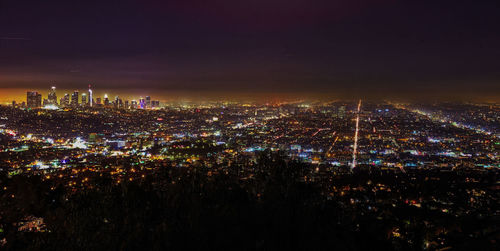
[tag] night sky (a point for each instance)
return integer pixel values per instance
(383, 47)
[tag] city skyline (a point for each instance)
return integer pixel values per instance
(7, 95)
(35, 99)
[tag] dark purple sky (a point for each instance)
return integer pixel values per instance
(322, 46)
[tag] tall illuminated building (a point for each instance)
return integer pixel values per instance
(61, 102)
(142, 103)
(133, 104)
(74, 99)
(64, 100)
(84, 99)
(106, 100)
(33, 99)
(52, 98)
(91, 99)
(148, 102)
(118, 102)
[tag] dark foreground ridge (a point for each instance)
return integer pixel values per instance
(280, 205)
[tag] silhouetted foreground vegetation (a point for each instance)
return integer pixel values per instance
(273, 209)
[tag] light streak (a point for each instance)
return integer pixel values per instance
(444, 120)
(355, 150)
(331, 146)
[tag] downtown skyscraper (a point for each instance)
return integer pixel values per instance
(33, 99)
(52, 98)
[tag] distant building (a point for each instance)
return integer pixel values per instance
(33, 99)
(64, 101)
(148, 102)
(52, 98)
(84, 99)
(142, 103)
(106, 100)
(341, 111)
(115, 144)
(155, 104)
(133, 104)
(74, 99)
(118, 103)
(92, 137)
(91, 98)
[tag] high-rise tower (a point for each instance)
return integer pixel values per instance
(148, 102)
(52, 98)
(106, 100)
(142, 103)
(64, 102)
(74, 99)
(91, 100)
(33, 99)
(84, 99)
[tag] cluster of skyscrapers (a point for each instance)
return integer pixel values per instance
(34, 100)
